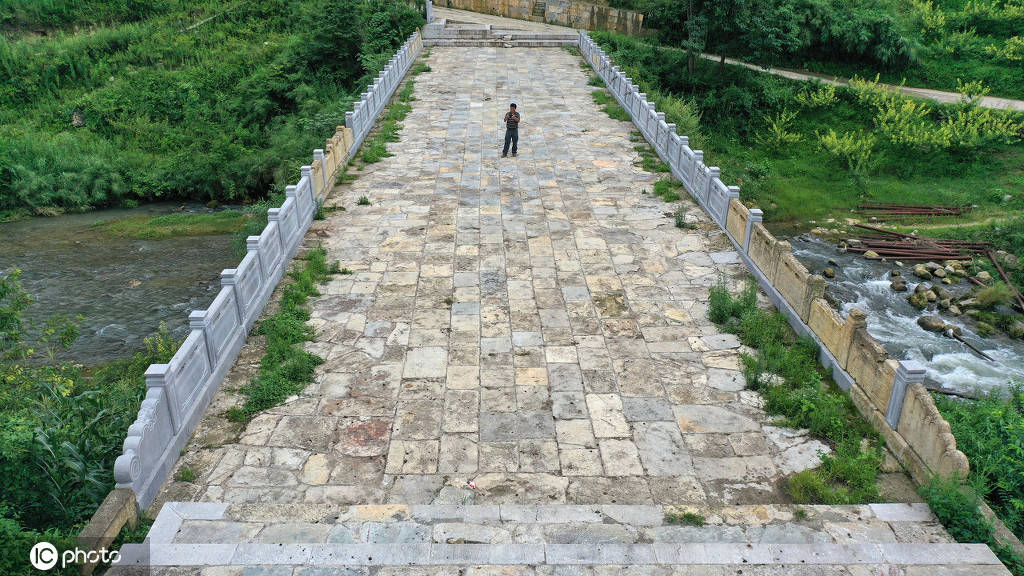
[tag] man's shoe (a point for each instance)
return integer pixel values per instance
(514, 154)
(505, 155)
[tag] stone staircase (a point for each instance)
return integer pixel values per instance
(464, 34)
(886, 539)
(539, 9)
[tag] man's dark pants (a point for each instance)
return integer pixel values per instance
(511, 135)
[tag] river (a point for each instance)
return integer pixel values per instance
(864, 284)
(124, 288)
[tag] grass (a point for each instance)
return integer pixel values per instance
(391, 122)
(363, 201)
(957, 507)
(990, 431)
(667, 189)
(806, 398)
(117, 103)
(185, 474)
(175, 225)
(610, 106)
(286, 368)
(684, 519)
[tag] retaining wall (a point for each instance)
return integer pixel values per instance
(178, 392)
(887, 392)
(580, 15)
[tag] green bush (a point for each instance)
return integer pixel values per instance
(957, 508)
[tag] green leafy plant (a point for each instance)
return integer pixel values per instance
(363, 201)
(821, 97)
(854, 150)
(776, 133)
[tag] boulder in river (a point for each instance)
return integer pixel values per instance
(921, 272)
(918, 300)
(872, 255)
(939, 273)
(931, 323)
(931, 266)
(828, 273)
(898, 285)
(894, 272)
(984, 277)
(931, 295)
(955, 310)
(944, 303)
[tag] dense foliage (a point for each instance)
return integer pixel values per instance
(957, 507)
(990, 431)
(786, 371)
(930, 43)
(201, 100)
(767, 32)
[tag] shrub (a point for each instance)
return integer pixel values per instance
(852, 149)
(821, 97)
(994, 295)
(67, 425)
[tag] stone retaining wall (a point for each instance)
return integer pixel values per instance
(580, 15)
(888, 392)
(178, 392)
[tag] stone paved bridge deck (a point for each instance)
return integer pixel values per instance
(519, 339)
(535, 325)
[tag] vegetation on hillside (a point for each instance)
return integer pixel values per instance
(122, 102)
(930, 43)
(807, 154)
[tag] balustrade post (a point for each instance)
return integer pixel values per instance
(907, 372)
(159, 376)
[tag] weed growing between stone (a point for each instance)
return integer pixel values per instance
(667, 189)
(363, 201)
(391, 122)
(957, 508)
(610, 106)
(786, 372)
(684, 519)
(286, 368)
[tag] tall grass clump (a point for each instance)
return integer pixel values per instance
(785, 370)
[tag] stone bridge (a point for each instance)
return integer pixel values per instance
(520, 377)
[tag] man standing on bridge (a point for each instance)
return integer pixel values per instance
(511, 130)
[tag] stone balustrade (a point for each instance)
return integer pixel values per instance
(888, 392)
(178, 392)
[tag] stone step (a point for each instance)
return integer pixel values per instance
(190, 534)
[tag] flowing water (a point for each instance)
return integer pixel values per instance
(864, 284)
(124, 288)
